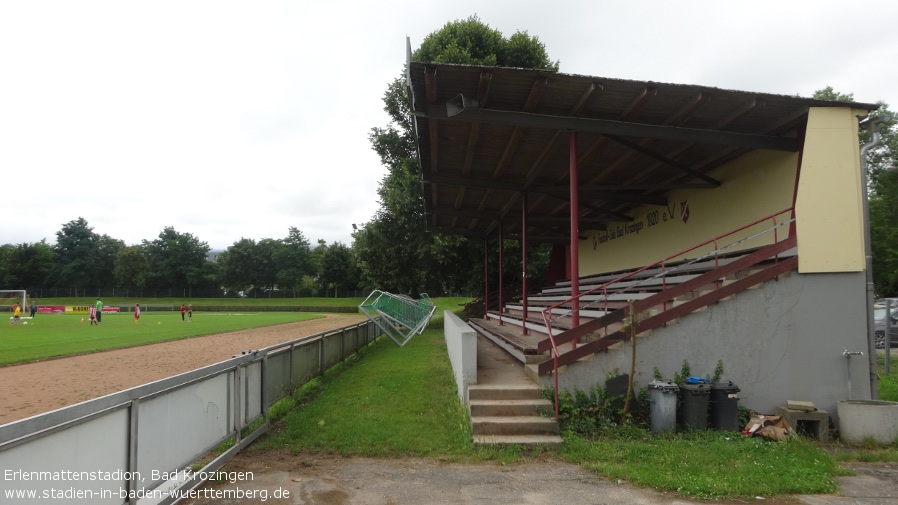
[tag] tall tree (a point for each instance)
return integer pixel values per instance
(107, 252)
(75, 256)
(394, 250)
(266, 266)
(132, 270)
(293, 260)
(178, 260)
(337, 268)
(26, 266)
(238, 266)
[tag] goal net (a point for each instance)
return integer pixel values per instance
(398, 316)
(10, 297)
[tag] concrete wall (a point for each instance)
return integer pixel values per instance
(781, 341)
(461, 342)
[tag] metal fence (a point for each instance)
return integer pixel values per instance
(185, 293)
(139, 444)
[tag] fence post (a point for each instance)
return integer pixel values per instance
(133, 430)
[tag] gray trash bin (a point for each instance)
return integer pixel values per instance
(694, 405)
(725, 406)
(663, 405)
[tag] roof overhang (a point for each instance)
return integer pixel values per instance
(487, 136)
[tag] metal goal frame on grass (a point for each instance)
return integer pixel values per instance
(10, 297)
(400, 317)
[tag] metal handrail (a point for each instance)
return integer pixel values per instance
(546, 312)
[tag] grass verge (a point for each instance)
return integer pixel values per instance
(402, 401)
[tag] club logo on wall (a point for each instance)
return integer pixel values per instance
(652, 218)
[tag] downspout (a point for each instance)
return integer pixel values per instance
(873, 123)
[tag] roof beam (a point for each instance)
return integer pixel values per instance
(465, 109)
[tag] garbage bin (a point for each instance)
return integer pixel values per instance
(663, 405)
(724, 400)
(694, 395)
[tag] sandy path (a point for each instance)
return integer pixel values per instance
(35, 388)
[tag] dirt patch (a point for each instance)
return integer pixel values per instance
(36, 388)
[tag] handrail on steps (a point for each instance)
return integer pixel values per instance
(546, 312)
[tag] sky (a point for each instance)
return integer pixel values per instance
(231, 120)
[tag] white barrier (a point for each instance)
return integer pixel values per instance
(461, 342)
(125, 446)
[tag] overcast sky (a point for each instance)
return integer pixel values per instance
(232, 120)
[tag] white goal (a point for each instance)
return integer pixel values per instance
(10, 297)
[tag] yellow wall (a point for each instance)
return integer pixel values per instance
(753, 186)
(829, 209)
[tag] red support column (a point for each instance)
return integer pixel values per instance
(486, 277)
(524, 329)
(575, 233)
(501, 285)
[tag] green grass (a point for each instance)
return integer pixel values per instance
(402, 401)
(707, 464)
(200, 302)
(392, 401)
(55, 335)
(888, 384)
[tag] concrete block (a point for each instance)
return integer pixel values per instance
(814, 424)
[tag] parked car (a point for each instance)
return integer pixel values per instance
(879, 315)
(891, 302)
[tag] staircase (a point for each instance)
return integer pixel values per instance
(544, 338)
(508, 414)
(659, 294)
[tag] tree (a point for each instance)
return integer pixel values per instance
(107, 252)
(76, 256)
(394, 250)
(238, 266)
(266, 266)
(26, 266)
(177, 260)
(337, 268)
(132, 270)
(293, 261)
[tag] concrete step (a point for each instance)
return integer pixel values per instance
(504, 392)
(513, 425)
(551, 441)
(526, 407)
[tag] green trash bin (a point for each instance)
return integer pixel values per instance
(694, 396)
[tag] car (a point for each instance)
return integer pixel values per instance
(891, 302)
(879, 315)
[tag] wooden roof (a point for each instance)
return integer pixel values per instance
(488, 135)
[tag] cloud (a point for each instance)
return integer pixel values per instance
(234, 119)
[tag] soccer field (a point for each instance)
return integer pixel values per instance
(54, 335)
